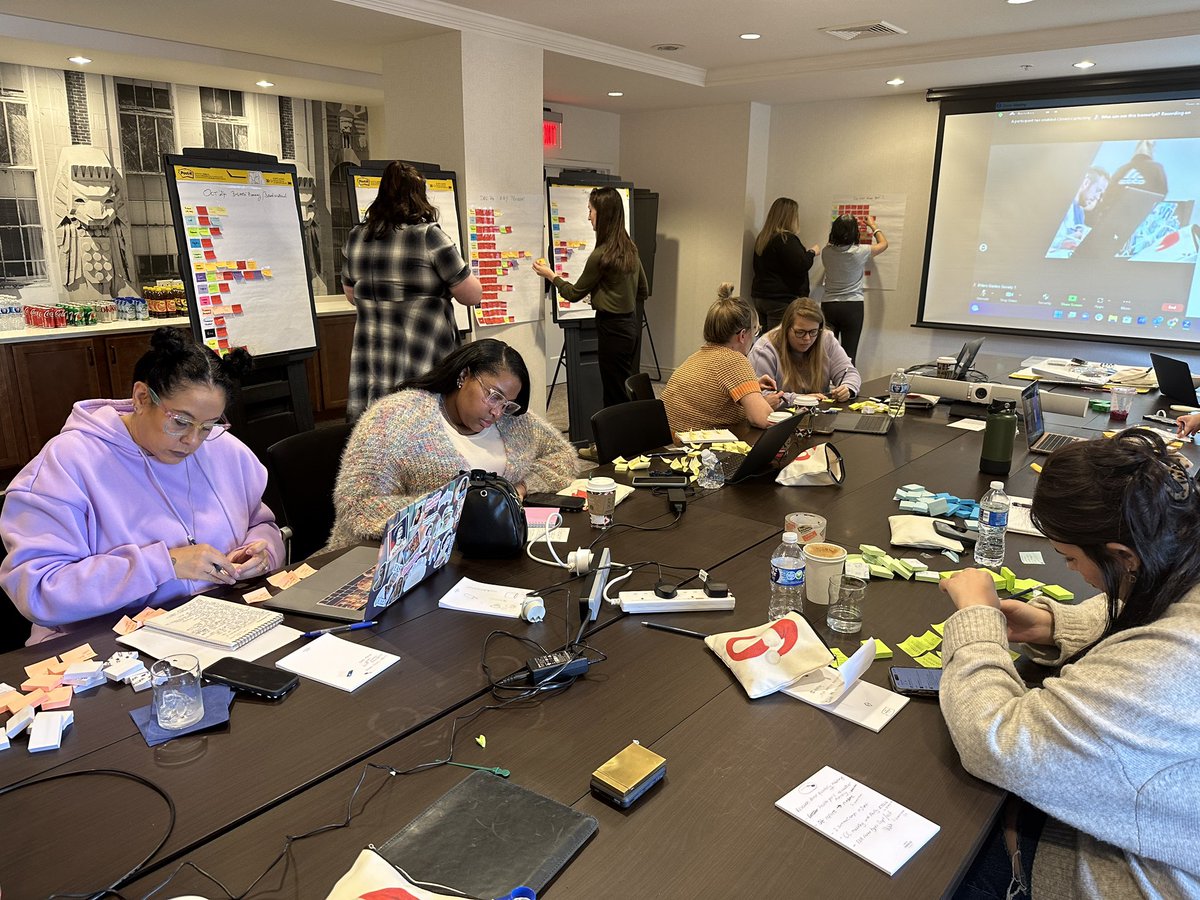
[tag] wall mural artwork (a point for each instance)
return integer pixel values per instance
(91, 225)
(306, 188)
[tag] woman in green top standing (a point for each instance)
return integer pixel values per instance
(614, 277)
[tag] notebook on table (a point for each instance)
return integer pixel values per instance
(219, 623)
(486, 836)
(1038, 438)
(361, 583)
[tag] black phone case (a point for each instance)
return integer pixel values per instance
(274, 691)
(559, 501)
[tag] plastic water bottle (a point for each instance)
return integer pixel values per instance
(711, 476)
(897, 393)
(787, 578)
(993, 522)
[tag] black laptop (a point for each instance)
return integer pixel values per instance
(1174, 379)
(765, 456)
(855, 423)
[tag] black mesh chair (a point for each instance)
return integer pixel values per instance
(638, 387)
(303, 469)
(629, 429)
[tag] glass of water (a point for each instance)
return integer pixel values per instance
(178, 701)
(846, 596)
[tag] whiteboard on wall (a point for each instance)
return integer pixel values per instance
(441, 189)
(241, 249)
(572, 238)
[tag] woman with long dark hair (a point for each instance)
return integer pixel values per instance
(614, 278)
(470, 411)
(781, 262)
(139, 502)
(401, 271)
(845, 261)
(1108, 748)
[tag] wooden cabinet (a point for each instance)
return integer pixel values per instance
(122, 352)
(51, 376)
(333, 362)
(12, 438)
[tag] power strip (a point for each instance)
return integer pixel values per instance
(686, 600)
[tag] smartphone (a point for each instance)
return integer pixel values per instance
(557, 501)
(262, 681)
(915, 681)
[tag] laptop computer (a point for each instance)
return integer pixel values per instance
(363, 582)
(856, 423)
(1174, 379)
(966, 358)
(764, 457)
(1036, 436)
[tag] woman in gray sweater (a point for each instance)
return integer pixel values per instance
(1109, 746)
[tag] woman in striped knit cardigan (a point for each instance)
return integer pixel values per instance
(469, 412)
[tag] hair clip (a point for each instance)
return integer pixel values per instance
(1179, 487)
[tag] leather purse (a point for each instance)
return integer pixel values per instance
(493, 523)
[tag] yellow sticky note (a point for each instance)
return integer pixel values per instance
(916, 646)
(481, 740)
(882, 650)
(938, 627)
(1036, 468)
(930, 660)
(838, 657)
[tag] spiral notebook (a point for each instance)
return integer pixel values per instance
(216, 622)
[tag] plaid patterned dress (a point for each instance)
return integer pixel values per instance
(402, 293)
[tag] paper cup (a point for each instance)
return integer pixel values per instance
(822, 562)
(601, 500)
(809, 527)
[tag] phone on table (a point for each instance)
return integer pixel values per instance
(915, 681)
(556, 501)
(664, 480)
(262, 681)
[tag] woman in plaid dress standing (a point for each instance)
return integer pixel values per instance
(400, 273)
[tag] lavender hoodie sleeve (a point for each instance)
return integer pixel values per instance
(838, 367)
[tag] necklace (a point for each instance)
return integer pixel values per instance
(189, 533)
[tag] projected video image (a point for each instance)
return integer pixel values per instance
(1135, 201)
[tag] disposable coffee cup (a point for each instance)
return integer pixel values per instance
(945, 366)
(808, 526)
(601, 500)
(822, 562)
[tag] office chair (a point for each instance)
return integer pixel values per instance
(304, 468)
(638, 387)
(629, 429)
(14, 627)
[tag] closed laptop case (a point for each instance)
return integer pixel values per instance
(486, 836)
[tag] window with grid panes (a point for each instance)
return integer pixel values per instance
(147, 125)
(223, 121)
(22, 254)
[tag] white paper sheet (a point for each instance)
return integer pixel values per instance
(489, 599)
(842, 691)
(342, 664)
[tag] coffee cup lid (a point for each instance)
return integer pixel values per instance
(601, 483)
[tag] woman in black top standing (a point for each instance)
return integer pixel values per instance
(781, 263)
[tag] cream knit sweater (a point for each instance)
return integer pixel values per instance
(399, 450)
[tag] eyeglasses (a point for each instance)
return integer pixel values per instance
(805, 333)
(177, 424)
(496, 400)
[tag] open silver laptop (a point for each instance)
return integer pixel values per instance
(1039, 439)
(363, 581)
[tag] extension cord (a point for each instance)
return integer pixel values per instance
(686, 600)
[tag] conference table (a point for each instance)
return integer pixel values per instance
(709, 829)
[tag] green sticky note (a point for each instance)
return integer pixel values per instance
(916, 646)
(939, 627)
(838, 657)
(882, 650)
(1054, 592)
(930, 660)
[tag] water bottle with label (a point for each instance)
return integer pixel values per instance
(787, 578)
(897, 393)
(993, 523)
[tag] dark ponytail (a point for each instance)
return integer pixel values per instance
(176, 361)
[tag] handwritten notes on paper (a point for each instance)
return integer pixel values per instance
(489, 599)
(865, 822)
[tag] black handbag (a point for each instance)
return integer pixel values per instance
(493, 523)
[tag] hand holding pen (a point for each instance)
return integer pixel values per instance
(202, 562)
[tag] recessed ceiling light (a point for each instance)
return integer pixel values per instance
(750, 36)
(1018, 2)
(1084, 64)
(669, 47)
(895, 82)
(79, 60)
(265, 83)
(616, 93)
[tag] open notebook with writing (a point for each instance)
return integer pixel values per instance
(216, 622)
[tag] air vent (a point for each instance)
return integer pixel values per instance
(868, 29)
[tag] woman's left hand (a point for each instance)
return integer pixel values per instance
(841, 393)
(971, 587)
(767, 383)
(250, 560)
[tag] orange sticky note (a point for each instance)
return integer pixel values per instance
(126, 625)
(82, 653)
(40, 668)
(59, 698)
(44, 682)
(11, 701)
(147, 613)
(58, 668)
(34, 698)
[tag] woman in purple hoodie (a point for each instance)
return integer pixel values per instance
(139, 502)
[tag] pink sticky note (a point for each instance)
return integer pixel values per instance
(11, 701)
(59, 698)
(538, 515)
(44, 682)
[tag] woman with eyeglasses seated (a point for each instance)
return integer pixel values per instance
(1103, 754)
(803, 357)
(139, 502)
(468, 412)
(716, 387)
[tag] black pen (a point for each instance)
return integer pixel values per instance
(339, 629)
(674, 630)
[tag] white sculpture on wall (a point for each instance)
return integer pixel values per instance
(91, 224)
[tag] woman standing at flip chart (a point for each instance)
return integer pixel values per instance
(401, 271)
(781, 263)
(614, 277)
(845, 261)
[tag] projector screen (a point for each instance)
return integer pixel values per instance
(1073, 217)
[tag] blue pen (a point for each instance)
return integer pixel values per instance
(339, 629)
